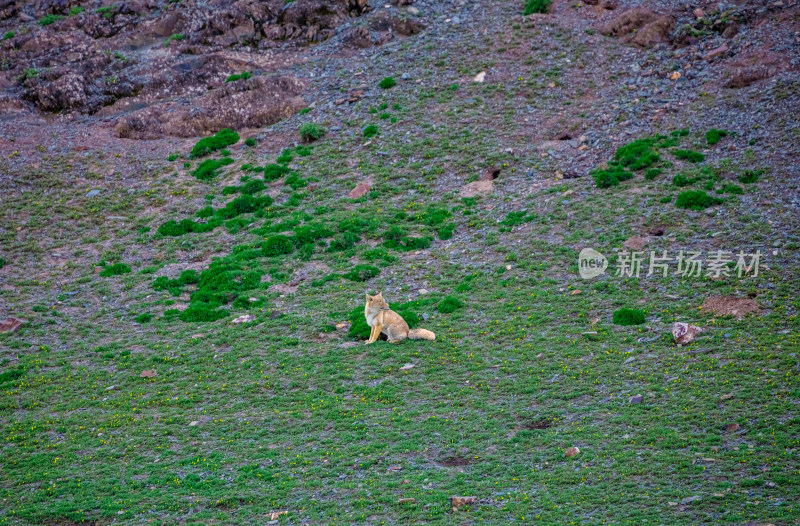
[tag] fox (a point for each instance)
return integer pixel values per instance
(382, 319)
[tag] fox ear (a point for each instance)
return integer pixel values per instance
(379, 295)
(368, 297)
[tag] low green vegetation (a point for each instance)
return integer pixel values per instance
(209, 168)
(713, 136)
(115, 270)
(696, 200)
(310, 132)
(49, 19)
(629, 317)
(536, 6)
(238, 76)
(220, 140)
(387, 83)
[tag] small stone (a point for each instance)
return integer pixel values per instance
(698, 13)
(244, 318)
(480, 77)
(726, 396)
(732, 428)
(422, 291)
(717, 52)
(413, 10)
(635, 243)
(675, 75)
(576, 292)
(194, 423)
(406, 501)
(571, 452)
(148, 373)
(407, 366)
(636, 399)
(689, 500)
(93, 193)
(508, 267)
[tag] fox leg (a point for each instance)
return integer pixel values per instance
(396, 337)
(376, 332)
(371, 333)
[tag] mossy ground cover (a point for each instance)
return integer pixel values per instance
(290, 411)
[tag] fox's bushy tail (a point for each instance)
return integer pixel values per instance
(421, 334)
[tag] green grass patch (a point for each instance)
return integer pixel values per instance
(220, 140)
(695, 200)
(629, 317)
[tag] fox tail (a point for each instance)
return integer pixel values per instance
(421, 334)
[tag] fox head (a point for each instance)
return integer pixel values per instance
(377, 302)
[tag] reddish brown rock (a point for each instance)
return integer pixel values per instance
(684, 333)
(10, 325)
(458, 502)
(361, 189)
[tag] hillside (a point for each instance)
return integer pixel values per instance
(196, 196)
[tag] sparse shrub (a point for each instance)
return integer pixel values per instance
(250, 141)
(652, 173)
(115, 270)
(238, 76)
(144, 318)
(695, 200)
(277, 245)
(665, 199)
(629, 317)
(74, 11)
(207, 170)
(517, 218)
(223, 138)
(637, 155)
(243, 205)
(344, 241)
(311, 232)
(750, 176)
(285, 157)
(15, 373)
(184, 226)
(8, 35)
(387, 82)
(713, 136)
(683, 132)
(611, 176)
(2, 262)
(732, 189)
(682, 180)
(201, 313)
(449, 304)
(273, 172)
(310, 132)
(362, 272)
(370, 131)
(377, 253)
(446, 232)
(295, 181)
(228, 190)
(536, 6)
(303, 151)
(46, 20)
(253, 187)
(175, 36)
(689, 155)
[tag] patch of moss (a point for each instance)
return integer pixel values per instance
(311, 232)
(387, 82)
(250, 141)
(185, 226)
(205, 146)
(518, 218)
(144, 318)
(629, 317)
